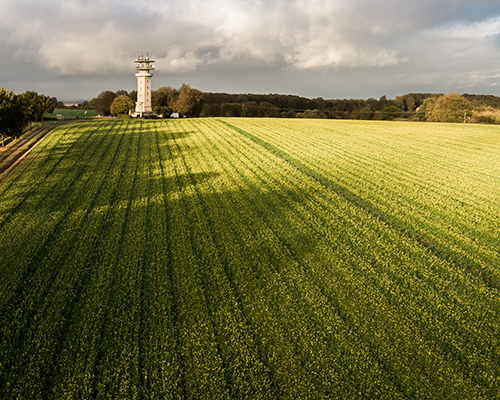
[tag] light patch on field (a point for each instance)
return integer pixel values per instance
(302, 258)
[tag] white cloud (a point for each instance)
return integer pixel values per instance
(459, 54)
(77, 54)
(475, 31)
(425, 41)
(92, 37)
(179, 61)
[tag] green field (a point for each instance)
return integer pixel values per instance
(72, 113)
(252, 258)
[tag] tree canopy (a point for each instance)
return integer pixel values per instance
(18, 110)
(190, 101)
(447, 108)
(164, 111)
(121, 105)
(165, 96)
(103, 102)
(37, 105)
(12, 114)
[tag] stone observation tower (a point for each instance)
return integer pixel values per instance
(143, 65)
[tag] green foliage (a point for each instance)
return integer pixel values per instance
(412, 101)
(163, 110)
(231, 110)
(289, 106)
(17, 111)
(481, 100)
(486, 119)
(288, 114)
(251, 259)
(447, 108)
(260, 105)
(121, 105)
(390, 113)
(426, 107)
(365, 113)
(486, 115)
(189, 102)
(312, 114)
(272, 112)
(35, 105)
(250, 109)
(103, 102)
(13, 116)
(164, 97)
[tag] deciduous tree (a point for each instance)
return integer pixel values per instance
(121, 105)
(190, 101)
(164, 97)
(36, 105)
(390, 113)
(12, 113)
(447, 108)
(103, 102)
(163, 110)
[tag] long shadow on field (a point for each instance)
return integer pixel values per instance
(269, 243)
(182, 182)
(178, 134)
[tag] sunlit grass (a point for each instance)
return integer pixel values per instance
(252, 258)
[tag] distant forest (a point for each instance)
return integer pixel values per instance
(290, 106)
(412, 106)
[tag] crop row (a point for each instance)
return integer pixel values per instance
(364, 244)
(244, 259)
(437, 188)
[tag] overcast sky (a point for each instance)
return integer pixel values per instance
(74, 49)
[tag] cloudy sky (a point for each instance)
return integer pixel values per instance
(74, 49)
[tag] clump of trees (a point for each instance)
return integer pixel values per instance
(189, 102)
(186, 101)
(102, 104)
(108, 102)
(311, 114)
(17, 111)
(486, 115)
(447, 108)
(121, 105)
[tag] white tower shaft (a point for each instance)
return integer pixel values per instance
(143, 105)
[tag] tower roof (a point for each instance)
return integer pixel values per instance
(143, 63)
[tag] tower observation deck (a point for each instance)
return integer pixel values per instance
(143, 66)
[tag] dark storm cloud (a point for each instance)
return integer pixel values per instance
(304, 46)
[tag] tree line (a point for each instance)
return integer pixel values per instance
(191, 102)
(17, 111)
(411, 106)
